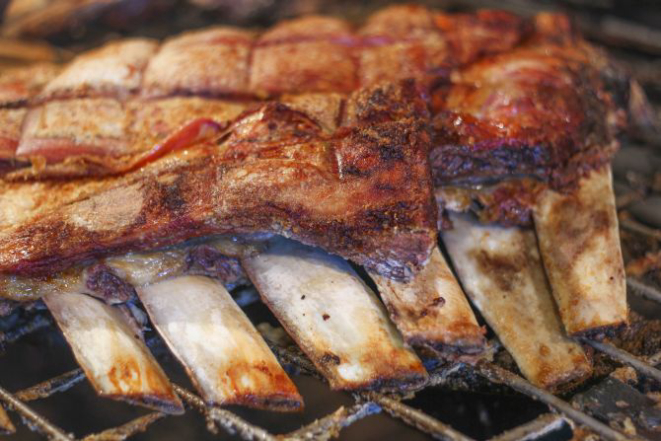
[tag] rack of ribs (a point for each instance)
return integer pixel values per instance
(180, 167)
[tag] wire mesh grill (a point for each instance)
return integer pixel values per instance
(365, 403)
(561, 413)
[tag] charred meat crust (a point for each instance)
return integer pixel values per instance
(363, 192)
(369, 174)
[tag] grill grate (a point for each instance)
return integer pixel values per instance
(608, 29)
(366, 404)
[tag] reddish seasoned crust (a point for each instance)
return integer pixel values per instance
(545, 113)
(212, 62)
(526, 112)
(316, 52)
(309, 55)
(19, 85)
(363, 192)
(412, 41)
(548, 109)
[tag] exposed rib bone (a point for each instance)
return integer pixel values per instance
(432, 310)
(225, 356)
(502, 273)
(334, 317)
(115, 360)
(580, 246)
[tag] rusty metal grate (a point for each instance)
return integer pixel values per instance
(365, 404)
(561, 412)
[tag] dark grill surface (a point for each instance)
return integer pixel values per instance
(48, 396)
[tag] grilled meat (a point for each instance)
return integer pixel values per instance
(274, 170)
(112, 110)
(129, 83)
(309, 131)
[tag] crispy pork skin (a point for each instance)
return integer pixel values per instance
(309, 55)
(363, 192)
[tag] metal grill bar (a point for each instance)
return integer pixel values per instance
(497, 374)
(649, 292)
(230, 422)
(126, 430)
(327, 427)
(418, 419)
(49, 387)
(626, 358)
(37, 421)
(535, 429)
(36, 323)
(636, 227)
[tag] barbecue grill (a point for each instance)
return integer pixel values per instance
(40, 383)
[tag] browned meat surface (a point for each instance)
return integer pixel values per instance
(333, 161)
(363, 191)
(137, 88)
(526, 112)
(543, 114)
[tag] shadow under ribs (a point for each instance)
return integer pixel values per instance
(502, 273)
(334, 318)
(115, 360)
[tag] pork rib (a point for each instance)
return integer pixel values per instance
(362, 192)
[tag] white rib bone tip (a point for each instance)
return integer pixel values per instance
(115, 360)
(334, 317)
(580, 245)
(432, 310)
(225, 356)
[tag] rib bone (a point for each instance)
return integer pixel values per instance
(224, 355)
(502, 273)
(115, 360)
(334, 317)
(432, 310)
(580, 246)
